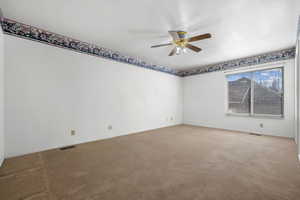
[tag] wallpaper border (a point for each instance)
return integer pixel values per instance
(29, 32)
(274, 56)
(25, 31)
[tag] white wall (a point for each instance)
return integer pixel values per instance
(1, 96)
(297, 86)
(297, 60)
(50, 91)
(204, 105)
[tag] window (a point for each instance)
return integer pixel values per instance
(256, 93)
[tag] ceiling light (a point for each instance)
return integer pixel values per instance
(178, 50)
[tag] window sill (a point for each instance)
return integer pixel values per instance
(255, 116)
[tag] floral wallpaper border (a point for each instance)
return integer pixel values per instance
(25, 31)
(274, 56)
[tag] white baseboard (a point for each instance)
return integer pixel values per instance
(234, 129)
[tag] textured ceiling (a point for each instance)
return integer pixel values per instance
(239, 27)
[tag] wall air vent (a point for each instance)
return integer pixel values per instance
(67, 147)
(256, 134)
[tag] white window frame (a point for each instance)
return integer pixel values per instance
(252, 114)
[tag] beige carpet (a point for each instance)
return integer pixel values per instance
(179, 163)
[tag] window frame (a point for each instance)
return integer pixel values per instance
(251, 113)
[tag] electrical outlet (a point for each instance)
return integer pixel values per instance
(73, 132)
(261, 125)
(109, 127)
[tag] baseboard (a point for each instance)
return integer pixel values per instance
(234, 129)
(83, 141)
(221, 128)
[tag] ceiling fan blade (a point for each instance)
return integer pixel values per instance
(172, 52)
(193, 48)
(199, 37)
(161, 45)
(174, 35)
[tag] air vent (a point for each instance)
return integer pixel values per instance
(68, 147)
(256, 134)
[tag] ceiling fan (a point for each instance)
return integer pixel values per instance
(181, 42)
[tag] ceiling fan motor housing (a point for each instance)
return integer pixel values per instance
(182, 39)
(181, 34)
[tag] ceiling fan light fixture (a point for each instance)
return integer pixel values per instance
(178, 50)
(182, 43)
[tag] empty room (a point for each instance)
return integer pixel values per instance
(150, 100)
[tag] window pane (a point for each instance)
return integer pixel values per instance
(239, 91)
(268, 92)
